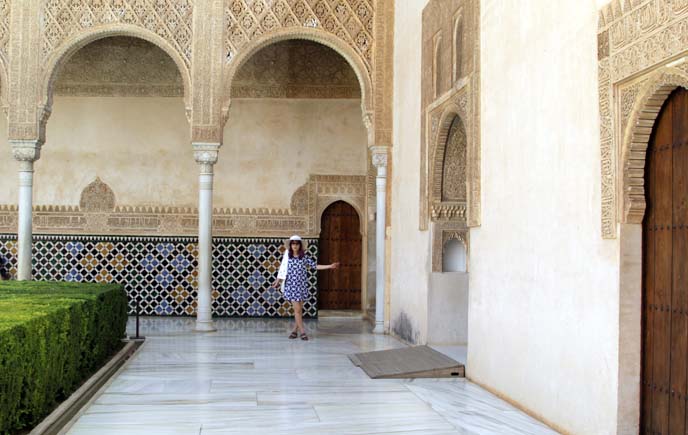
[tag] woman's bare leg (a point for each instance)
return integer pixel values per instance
(298, 316)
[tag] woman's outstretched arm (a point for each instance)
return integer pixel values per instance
(327, 266)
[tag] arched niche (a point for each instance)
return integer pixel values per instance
(454, 257)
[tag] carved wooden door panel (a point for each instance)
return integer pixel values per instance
(664, 386)
(340, 241)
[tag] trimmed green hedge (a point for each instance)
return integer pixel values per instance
(53, 336)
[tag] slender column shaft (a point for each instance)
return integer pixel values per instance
(381, 183)
(25, 220)
(205, 155)
(204, 319)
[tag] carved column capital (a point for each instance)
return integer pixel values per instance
(380, 156)
(26, 152)
(206, 155)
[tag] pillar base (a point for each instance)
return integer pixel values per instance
(379, 328)
(205, 326)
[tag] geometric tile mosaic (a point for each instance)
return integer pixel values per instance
(161, 272)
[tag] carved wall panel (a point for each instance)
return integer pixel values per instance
(454, 163)
(447, 174)
(349, 20)
(98, 214)
(120, 66)
(450, 91)
(296, 69)
(97, 197)
(640, 44)
(169, 19)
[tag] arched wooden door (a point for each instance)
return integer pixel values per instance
(664, 378)
(340, 241)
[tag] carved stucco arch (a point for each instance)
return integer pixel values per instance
(322, 206)
(637, 136)
(451, 112)
(309, 34)
(71, 45)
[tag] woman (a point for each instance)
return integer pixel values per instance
(4, 268)
(293, 272)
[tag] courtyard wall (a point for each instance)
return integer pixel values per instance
(141, 148)
(543, 311)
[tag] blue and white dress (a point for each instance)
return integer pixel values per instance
(296, 284)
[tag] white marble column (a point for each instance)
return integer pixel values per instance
(380, 162)
(206, 156)
(26, 153)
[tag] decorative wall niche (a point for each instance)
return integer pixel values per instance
(442, 234)
(450, 116)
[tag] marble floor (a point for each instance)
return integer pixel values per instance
(248, 378)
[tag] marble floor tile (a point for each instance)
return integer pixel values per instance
(248, 378)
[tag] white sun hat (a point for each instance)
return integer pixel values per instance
(304, 244)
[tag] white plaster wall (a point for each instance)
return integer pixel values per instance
(448, 308)
(141, 148)
(410, 258)
(543, 313)
(271, 146)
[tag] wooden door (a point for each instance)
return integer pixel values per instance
(340, 241)
(664, 387)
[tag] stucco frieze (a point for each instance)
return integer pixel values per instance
(98, 213)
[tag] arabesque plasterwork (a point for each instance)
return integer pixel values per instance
(98, 213)
(169, 19)
(640, 45)
(350, 21)
(94, 71)
(458, 97)
(207, 51)
(296, 69)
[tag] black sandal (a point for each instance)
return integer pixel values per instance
(293, 335)
(304, 337)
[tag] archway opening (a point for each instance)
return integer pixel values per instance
(340, 241)
(295, 114)
(119, 124)
(664, 348)
(118, 114)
